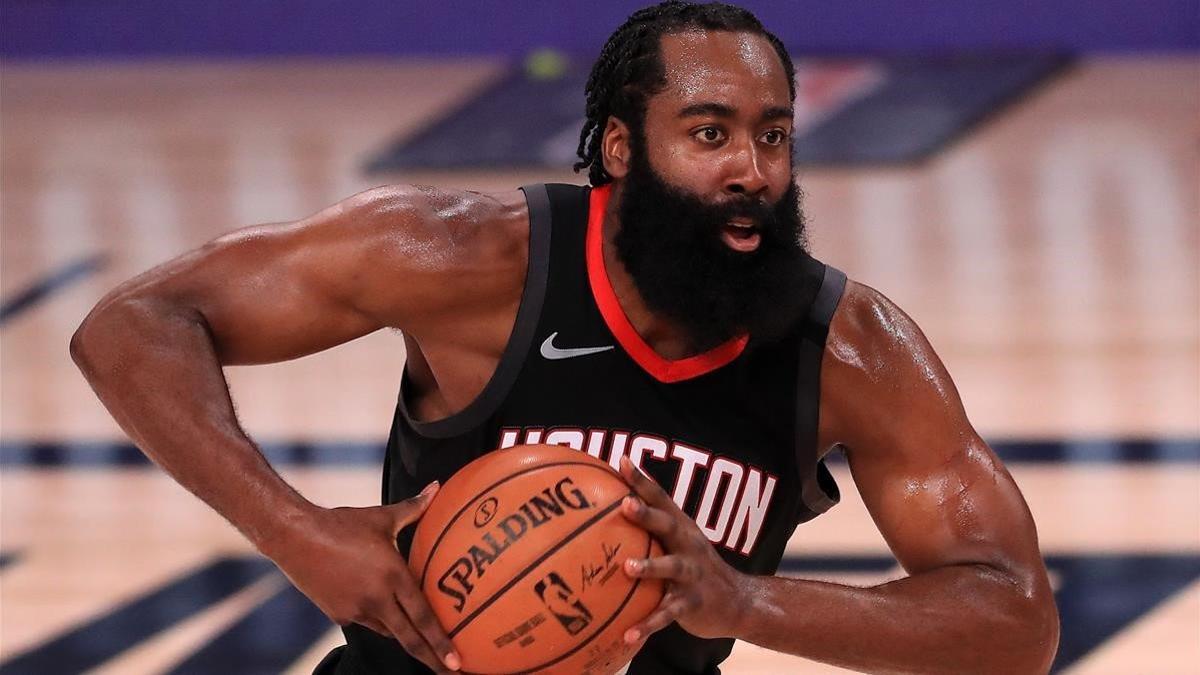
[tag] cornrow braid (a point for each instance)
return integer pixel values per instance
(629, 69)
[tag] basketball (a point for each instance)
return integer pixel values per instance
(520, 556)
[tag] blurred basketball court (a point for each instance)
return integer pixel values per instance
(1050, 250)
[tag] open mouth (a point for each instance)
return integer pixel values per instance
(741, 235)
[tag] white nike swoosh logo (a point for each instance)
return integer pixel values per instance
(553, 353)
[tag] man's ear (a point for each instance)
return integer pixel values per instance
(615, 148)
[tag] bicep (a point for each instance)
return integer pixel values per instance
(275, 292)
(262, 300)
(953, 509)
(937, 492)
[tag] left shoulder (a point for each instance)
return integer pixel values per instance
(868, 329)
(879, 366)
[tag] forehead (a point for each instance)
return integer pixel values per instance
(726, 67)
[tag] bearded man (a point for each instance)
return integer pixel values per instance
(668, 319)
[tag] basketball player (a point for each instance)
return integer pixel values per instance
(667, 318)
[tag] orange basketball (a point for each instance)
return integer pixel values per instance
(520, 555)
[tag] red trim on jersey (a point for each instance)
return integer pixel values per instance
(663, 370)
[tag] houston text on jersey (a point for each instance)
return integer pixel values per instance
(735, 498)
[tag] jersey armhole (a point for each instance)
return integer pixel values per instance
(519, 340)
(818, 489)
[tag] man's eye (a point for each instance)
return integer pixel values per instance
(709, 134)
(774, 137)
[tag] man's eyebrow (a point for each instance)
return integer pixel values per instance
(723, 110)
(775, 112)
(707, 109)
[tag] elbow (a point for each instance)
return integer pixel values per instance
(90, 343)
(83, 342)
(1024, 623)
(124, 325)
(78, 353)
(1041, 615)
(1030, 617)
(102, 333)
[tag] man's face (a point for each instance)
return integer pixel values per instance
(711, 230)
(721, 128)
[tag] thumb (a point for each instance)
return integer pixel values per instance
(410, 510)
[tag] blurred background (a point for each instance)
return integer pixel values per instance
(1022, 177)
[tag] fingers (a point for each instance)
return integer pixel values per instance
(410, 510)
(669, 610)
(655, 520)
(670, 527)
(674, 567)
(401, 628)
(416, 607)
(644, 487)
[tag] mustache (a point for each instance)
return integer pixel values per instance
(759, 210)
(754, 209)
(773, 220)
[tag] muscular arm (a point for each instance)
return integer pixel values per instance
(153, 348)
(977, 599)
(447, 268)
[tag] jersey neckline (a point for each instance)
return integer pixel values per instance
(660, 368)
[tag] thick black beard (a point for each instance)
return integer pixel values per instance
(670, 243)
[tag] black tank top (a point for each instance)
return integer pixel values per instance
(730, 434)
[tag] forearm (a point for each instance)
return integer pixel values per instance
(155, 369)
(959, 619)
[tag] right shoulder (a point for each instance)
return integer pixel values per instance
(450, 250)
(452, 223)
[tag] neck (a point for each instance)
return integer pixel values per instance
(664, 336)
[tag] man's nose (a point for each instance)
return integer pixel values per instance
(747, 176)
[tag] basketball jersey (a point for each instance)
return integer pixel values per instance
(729, 434)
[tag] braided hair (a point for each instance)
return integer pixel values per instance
(630, 70)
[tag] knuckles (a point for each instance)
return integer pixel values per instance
(423, 620)
(393, 578)
(373, 601)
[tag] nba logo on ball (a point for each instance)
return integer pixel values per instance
(520, 556)
(561, 601)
